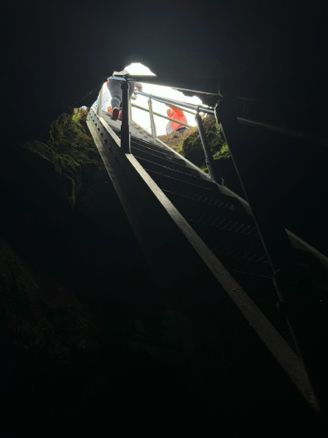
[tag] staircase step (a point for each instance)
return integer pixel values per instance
(143, 147)
(180, 175)
(168, 162)
(215, 208)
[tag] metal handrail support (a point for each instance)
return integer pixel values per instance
(130, 110)
(304, 315)
(207, 150)
(161, 115)
(163, 100)
(125, 128)
(151, 115)
(178, 103)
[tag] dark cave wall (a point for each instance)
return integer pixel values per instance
(54, 55)
(65, 237)
(70, 272)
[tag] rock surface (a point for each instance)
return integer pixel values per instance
(67, 303)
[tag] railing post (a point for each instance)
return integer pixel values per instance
(151, 115)
(130, 110)
(207, 150)
(304, 313)
(125, 127)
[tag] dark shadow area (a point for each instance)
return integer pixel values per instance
(76, 291)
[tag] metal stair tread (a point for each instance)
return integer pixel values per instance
(151, 166)
(161, 153)
(160, 161)
(222, 206)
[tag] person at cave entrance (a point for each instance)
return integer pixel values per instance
(177, 114)
(115, 89)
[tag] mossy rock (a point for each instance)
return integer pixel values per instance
(189, 144)
(192, 148)
(175, 139)
(70, 149)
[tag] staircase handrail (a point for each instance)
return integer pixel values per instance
(305, 136)
(174, 102)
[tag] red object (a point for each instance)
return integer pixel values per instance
(115, 113)
(177, 114)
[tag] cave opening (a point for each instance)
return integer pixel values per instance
(142, 117)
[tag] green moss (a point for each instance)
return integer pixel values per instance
(223, 152)
(175, 139)
(192, 147)
(69, 148)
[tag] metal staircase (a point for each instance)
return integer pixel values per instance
(199, 238)
(221, 218)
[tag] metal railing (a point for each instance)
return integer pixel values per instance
(212, 86)
(192, 109)
(153, 113)
(187, 107)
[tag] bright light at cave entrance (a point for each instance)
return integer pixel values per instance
(142, 117)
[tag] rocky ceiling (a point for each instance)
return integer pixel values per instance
(55, 53)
